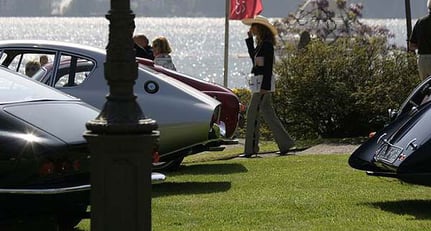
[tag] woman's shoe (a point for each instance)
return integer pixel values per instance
(283, 153)
(244, 155)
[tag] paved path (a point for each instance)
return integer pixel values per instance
(330, 149)
(317, 149)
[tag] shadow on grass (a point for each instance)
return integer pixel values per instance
(420, 209)
(33, 224)
(204, 169)
(183, 188)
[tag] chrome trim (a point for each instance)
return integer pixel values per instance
(222, 127)
(382, 174)
(381, 137)
(385, 147)
(47, 191)
(155, 178)
(412, 144)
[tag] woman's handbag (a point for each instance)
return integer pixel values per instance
(255, 83)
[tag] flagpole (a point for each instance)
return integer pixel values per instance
(408, 22)
(226, 44)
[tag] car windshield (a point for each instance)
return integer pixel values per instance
(18, 88)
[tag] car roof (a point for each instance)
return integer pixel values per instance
(56, 45)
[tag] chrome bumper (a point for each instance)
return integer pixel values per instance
(155, 178)
(79, 188)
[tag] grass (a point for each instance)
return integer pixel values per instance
(302, 192)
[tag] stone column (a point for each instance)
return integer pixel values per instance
(121, 139)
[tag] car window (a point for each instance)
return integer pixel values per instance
(26, 62)
(19, 62)
(40, 64)
(2, 56)
(72, 71)
(18, 88)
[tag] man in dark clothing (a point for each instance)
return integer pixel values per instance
(142, 47)
(420, 40)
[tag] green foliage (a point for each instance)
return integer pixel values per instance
(342, 89)
(341, 78)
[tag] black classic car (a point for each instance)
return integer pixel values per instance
(402, 149)
(44, 158)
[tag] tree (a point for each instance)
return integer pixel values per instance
(328, 21)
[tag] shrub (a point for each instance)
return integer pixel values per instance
(341, 89)
(344, 77)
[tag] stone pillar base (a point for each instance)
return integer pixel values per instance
(121, 180)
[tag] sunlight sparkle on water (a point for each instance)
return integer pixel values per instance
(197, 43)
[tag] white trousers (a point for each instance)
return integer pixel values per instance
(424, 66)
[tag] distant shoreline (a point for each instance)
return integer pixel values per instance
(141, 16)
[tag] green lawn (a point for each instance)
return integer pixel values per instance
(308, 192)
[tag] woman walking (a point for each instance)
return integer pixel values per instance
(262, 57)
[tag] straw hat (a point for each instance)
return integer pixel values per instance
(259, 19)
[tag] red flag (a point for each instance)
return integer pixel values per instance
(240, 9)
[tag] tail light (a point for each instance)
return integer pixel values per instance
(59, 167)
(64, 166)
(156, 156)
(47, 168)
(76, 165)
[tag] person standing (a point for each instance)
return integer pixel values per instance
(420, 40)
(162, 50)
(31, 67)
(43, 59)
(262, 57)
(142, 47)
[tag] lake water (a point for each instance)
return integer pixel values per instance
(197, 43)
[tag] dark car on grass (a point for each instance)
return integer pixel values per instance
(44, 159)
(402, 149)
